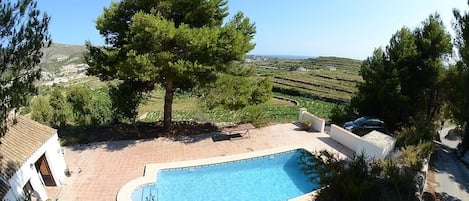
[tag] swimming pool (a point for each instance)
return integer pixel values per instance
(270, 177)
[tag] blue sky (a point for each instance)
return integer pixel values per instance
(297, 27)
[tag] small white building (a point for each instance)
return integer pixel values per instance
(330, 68)
(376, 145)
(31, 159)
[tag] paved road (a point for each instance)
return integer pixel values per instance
(448, 176)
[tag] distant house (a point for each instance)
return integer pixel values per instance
(60, 59)
(330, 68)
(31, 160)
(301, 69)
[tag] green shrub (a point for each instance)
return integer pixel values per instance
(357, 179)
(341, 114)
(255, 115)
(411, 156)
(343, 180)
(401, 182)
(25, 110)
(419, 131)
(41, 110)
(62, 112)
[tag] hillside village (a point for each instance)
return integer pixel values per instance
(62, 64)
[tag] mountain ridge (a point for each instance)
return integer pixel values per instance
(58, 50)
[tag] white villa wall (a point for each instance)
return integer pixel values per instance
(359, 144)
(344, 137)
(388, 149)
(317, 124)
(370, 150)
(57, 165)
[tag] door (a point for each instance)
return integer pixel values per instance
(43, 167)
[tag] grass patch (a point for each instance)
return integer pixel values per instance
(275, 111)
(179, 104)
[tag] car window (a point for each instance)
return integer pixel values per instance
(375, 123)
(360, 121)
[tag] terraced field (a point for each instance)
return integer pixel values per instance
(330, 79)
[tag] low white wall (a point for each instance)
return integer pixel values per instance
(359, 144)
(28, 171)
(370, 150)
(344, 137)
(389, 149)
(317, 124)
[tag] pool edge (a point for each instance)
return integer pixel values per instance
(151, 170)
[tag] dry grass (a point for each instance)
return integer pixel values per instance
(179, 104)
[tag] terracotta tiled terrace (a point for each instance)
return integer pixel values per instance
(99, 170)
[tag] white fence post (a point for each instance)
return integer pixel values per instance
(302, 111)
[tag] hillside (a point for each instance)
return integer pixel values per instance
(64, 65)
(331, 79)
(59, 51)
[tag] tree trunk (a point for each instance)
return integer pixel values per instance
(168, 104)
(134, 123)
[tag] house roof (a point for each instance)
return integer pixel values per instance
(22, 139)
(379, 139)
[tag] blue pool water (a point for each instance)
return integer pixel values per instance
(267, 178)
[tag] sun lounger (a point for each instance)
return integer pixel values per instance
(242, 129)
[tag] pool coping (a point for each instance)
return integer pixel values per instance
(151, 170)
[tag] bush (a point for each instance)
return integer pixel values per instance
(411, 156)
(41, 110)
(79, 100)
(25, 110)
(77, 105)
(236, 92)
(341, 114)
(359, 178)
(255, 115)
(420, 131)
(352, 180)
(62, 113)
(401, 182)
(101, 113)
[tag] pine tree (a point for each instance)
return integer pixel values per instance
(177, 44)
(23, 32)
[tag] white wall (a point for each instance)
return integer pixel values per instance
(389, 149)
(344, 137)
(359, 144)
(370, 150)
(57, 165)
(317, 124)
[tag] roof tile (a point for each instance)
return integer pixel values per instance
(21, 140)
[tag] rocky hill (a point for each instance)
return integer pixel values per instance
(59, 51)
(62, 63)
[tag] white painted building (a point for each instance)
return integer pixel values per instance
(31, 159)
(374, 144)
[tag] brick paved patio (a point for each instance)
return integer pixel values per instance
(99, 170)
